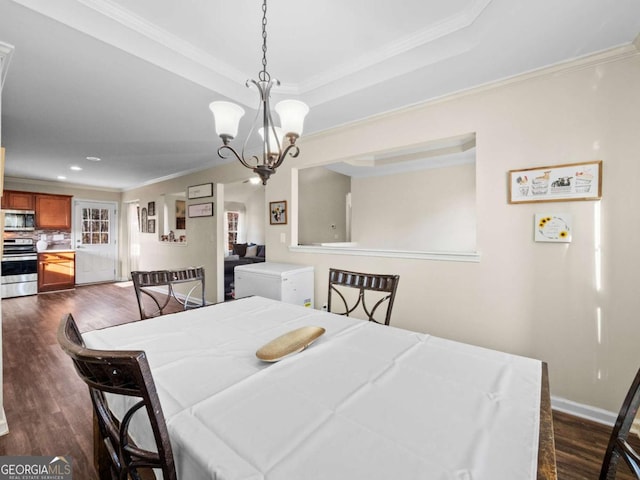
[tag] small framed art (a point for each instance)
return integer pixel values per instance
(278, 212)
(200, 191)
(201, 210)
(144, 227)
(554, 227)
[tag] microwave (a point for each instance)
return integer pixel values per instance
(19, 220)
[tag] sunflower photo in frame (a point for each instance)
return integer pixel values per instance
(278, 212)
(552, 227)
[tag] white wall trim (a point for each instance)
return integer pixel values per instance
(166, 39)
(473, 257)
(583, 411)
(58, 184)
(4, 427)
(6, 51)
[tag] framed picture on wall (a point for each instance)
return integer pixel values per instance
(278, 212)
(200, 191)
(554, 227)
(151, 227)
(143, 221)
(572, 181)
(151, 208)
(201, 210)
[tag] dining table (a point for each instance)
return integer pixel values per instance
(362, 402)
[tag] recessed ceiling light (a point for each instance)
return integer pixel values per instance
(75, 168)
(61, 177)
(93, 159)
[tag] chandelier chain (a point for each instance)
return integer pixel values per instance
(264, 75)
(274, 148)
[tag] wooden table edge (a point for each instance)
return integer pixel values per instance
(546, 444)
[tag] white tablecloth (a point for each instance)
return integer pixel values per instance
(363, 402)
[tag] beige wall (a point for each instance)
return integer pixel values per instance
(574, 305)
(430, 210)
(203, 247)
(322, 205)
(200, 248)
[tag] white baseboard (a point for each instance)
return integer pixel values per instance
(584, 411)
(590, 413)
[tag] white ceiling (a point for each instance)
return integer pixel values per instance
(130, 81)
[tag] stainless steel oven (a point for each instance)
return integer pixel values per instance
(19, 268)
(19, 220)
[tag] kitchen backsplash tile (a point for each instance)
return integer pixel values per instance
(55, 239)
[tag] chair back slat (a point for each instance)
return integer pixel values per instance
(187, 274)
(124, 373)
(618, 447)
(340, 281)
(146, 285)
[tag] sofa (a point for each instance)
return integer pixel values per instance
(242, 254)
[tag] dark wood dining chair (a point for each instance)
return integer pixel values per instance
(619, 447)
(123, 373)
(366, 290)
(159, 287)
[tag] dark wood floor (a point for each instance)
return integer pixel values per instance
(48, 408)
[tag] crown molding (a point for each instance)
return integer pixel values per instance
(448, 26)
(615, 54)
(379, 56)
(181, 173)
(164, 38)
(611, 55)
(58, 184)
(112, 23)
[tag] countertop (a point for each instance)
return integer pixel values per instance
(57, 250)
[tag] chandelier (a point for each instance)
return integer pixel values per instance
(277, 142)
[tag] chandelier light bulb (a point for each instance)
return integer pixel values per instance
(292, 114)
(226, 116)
(274, 145)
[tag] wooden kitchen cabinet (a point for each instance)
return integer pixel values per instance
(56, 271)
(53, 211)
(14, 200)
